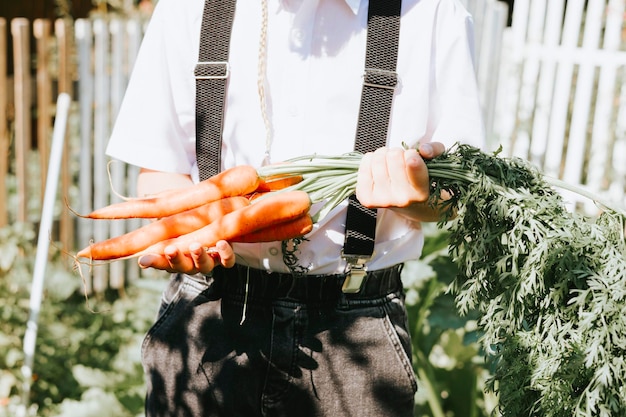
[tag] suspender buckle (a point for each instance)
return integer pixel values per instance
(374, 77)
(356, 272)
(212, 70)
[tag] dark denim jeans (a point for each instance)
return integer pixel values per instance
(291, 347)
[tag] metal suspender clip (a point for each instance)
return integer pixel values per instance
(212, 70)
(356, 272)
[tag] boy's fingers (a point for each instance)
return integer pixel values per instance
(202, 260)
(431, 150)
(226, 254)
(154, 261)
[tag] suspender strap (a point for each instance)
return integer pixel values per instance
(379, 84)
(211, 74)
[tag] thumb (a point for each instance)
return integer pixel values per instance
(417, 174)
(430, 150)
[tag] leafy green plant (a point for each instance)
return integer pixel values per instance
(550, 287)
(447, 357)
(86, 363)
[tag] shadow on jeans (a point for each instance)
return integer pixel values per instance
(286, 359)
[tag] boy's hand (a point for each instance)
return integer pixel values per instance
(197, 260)
(396, 177)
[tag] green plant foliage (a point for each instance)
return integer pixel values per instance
(86, 363)
(447, 357)
(550, 287)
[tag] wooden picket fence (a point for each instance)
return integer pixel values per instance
(20, 113)
(106, 50)
(91, 60)
(552, 87)
(562, 94)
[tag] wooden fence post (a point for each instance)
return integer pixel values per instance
(63, 32)
(23, 131)
(565, 74)
(607, 87)
(134, 29)
(84, 44)
(585, 85)
(101, 134)
(604, 162)
(4, 133)
(117, 171)
(546, 82)
(42, 30)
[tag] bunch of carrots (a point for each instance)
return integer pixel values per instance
(236, 205)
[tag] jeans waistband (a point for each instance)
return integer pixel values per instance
(241, 280)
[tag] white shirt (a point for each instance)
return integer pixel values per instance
(315, 59)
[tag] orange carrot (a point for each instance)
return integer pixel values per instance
(290, 229)
(277, 182)
(256, 194)
(236, 181)
(265, 212)
(274, 183)
(162, 229)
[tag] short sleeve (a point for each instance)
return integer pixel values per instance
(155, 127)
